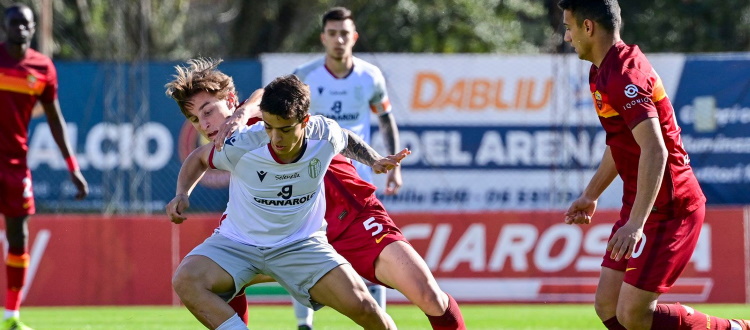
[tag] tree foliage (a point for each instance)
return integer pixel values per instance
(178, 29)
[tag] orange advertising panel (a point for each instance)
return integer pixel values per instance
(477, 257)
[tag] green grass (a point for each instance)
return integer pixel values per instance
(539, 316)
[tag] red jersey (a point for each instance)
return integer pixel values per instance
(346, 193)
(22, 84)
(626, 91)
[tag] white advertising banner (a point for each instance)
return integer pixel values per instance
(479, 125)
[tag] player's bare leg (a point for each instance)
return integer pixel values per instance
(607, 293)
(343, 290)
(635, 307)
(401, 267)
(195, 281)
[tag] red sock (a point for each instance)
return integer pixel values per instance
(15, 267)
(613, 324)
(239, 304)
(678, 317)
(450, 320)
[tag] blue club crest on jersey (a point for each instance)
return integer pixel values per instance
(230, 141)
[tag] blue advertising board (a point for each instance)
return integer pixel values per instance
(713, 109)
(129, 138)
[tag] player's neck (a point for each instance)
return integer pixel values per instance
(16, 51)
(340, 68)
(602, 47)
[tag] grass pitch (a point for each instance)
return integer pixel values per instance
(503, 316)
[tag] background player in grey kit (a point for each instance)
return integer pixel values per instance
(347, 89)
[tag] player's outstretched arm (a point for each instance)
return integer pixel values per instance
(362, 152)
(583, 208)
(192, 170)
(239, 118)
(57, 127)
(389, 131)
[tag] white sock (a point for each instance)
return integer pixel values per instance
(233, 323)
(734, 325)
(303, 313)
(11, 313)
(378, 292)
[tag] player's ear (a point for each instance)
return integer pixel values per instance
(231, 101)
(355, 36)
(588, 26)
(305, 120)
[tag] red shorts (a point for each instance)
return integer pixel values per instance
(365, 237)
(16, 194)
(663, 252)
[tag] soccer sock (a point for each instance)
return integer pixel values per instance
(450, 320)
(303, 313)
(239, 305)
(613, 324)
(679, 317)
(15, 266)
(378, 293)
(234, 322)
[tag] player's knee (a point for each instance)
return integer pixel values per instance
(430, 301)
(632, 317)
(605, 309)
(184, 280)
(366, 312)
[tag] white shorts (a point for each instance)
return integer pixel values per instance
(297, 266)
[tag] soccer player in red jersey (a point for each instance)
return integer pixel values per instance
(358, 228)
(26, 77)
(663, 205)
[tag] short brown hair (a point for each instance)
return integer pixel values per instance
(604, 12)
(336, 14)
(200, 75)
(286, 97)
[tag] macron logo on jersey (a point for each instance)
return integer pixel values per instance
(261, 175)
(230, 141)
(320, 90)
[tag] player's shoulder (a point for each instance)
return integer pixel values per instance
(305, 69)
(630, 63)
(37, 57)
(319, 127)
(366, 68)
(248, 137)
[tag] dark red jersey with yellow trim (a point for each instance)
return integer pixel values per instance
(22, 84)
(626, 91)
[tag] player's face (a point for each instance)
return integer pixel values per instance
(19, 25)
(338, 38)
(208, 113)
(575, 35)
(286, 135)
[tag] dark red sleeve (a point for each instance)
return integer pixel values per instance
(630, 94)
(49, 94)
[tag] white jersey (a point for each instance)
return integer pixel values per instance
(273, 203)
(349, 100)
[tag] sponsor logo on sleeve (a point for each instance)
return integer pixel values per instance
(631, 91)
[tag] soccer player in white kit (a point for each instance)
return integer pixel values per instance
(273, 223)
(347, 89)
